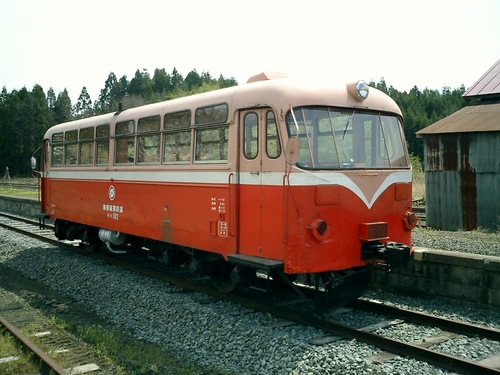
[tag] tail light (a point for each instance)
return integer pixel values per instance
(410, 220)
(319, 229)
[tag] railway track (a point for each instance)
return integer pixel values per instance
(51, 349)
(333, 329)
(41, 360)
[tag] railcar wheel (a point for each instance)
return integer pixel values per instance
(93, 247)
(91, 240)
(221, 276)
(341, 287)
(174, 256)
(247, 276)
(60, 229)
(281, 280)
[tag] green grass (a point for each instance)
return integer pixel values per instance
(134, 356)
(418, 183)
(10, 348)
(12, 187)
(15, 192)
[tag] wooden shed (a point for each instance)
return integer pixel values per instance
(462, 161)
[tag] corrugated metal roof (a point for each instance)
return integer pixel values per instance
(488, 84)
(474, 118)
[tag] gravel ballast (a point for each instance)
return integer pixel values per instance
(223, 335)
(472, 242)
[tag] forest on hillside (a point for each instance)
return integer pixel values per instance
(26, 115)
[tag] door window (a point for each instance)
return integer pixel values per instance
(251, 135)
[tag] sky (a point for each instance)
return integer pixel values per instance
(68, 44)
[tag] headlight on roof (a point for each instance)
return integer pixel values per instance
(362, 90)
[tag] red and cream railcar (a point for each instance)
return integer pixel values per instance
(296, 177)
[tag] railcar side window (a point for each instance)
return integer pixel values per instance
(102, 144)
(213, 114)
(70, 147)
(273, 145)
(57, 149)
(212, 145)
(125, 142)
(86, 146)
(251, 135)
(177, 120)
(177, 137)
(148, 140)
(177, 147)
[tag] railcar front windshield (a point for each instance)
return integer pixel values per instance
(332, 138)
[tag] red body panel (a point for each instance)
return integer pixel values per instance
(275, 222)
(188, 215)
(340, 247)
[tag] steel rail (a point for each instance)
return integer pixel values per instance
(26, 232)
(24, 220)
(47, 362)
(426, 319)
(401, 348)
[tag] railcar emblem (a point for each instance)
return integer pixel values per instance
(112, 193)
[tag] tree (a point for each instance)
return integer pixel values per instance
(107, 95)
(141, 85)
(62, 108)
(192, 80)
(161, 82)
(3, 95)
(9, 110)
(207, 78)
(51, 102)
(226, 82)
(122, 88)
(176, 80)
(83, 106)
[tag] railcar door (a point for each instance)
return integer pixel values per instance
(261, 185)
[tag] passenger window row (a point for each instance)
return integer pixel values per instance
(148, 143)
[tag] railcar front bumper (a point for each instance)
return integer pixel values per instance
(386, 255)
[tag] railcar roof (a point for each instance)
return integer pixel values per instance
(279, 93)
